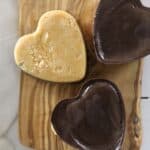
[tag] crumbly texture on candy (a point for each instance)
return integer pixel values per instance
(55, 51)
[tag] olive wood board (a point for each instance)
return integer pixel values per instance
(38, 98)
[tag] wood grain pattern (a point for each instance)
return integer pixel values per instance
(38, 98)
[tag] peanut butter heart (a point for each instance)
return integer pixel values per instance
(94, 120)
(55, 51)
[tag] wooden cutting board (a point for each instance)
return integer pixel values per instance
(38, 98)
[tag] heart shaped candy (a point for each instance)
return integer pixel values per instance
(121, 31)
(94, 120)
(55, 51)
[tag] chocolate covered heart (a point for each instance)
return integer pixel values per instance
(94, 120)
(121, 31)
(55, 51)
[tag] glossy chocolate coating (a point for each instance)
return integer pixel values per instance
(121, 31)
(95, 120)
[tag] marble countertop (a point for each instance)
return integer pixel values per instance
(10, 77)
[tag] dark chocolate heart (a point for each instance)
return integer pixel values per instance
(121, 31)
(94, 120)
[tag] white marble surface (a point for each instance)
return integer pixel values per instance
(9, 81)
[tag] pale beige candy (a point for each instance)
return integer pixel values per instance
(55, 51)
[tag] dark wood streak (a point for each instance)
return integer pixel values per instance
(20, 104)
(49, 129)
(136, 125)
(42, 102)
(30, 125)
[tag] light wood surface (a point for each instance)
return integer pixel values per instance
(38, 98)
